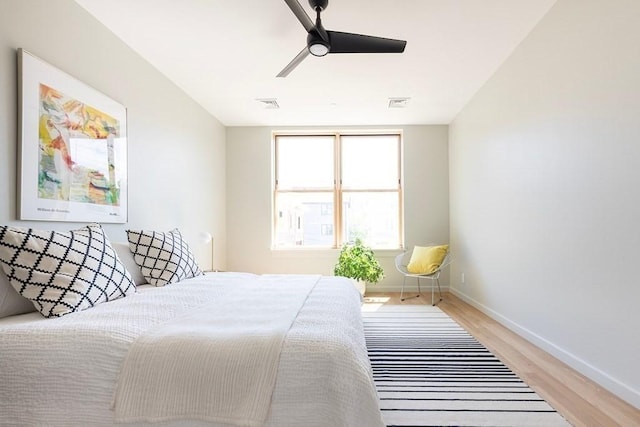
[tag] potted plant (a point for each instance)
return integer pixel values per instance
(358, 262)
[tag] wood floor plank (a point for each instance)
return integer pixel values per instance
(581, 401)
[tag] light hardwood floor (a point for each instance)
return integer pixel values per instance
(581, 401)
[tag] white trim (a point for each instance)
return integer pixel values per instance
(311, 253)
(425, 288)
(602, 378)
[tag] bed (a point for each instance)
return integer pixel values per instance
(72, 370)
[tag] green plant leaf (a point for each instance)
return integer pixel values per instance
(358, 262)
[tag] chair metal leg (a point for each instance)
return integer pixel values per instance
(432, 296)
(439, 292)
(404, 280)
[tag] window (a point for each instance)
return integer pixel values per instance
(333, 188)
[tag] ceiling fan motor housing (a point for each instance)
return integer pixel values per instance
(318, 41)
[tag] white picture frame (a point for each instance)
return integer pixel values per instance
(72, 148)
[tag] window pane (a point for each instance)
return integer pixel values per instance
(304, 219)
(304, 162)
(370, 162)
(372, 217)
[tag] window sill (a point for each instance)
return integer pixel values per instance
(326, 253)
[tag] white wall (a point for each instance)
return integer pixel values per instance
(545, 208)
(249, 203)
(176, 149)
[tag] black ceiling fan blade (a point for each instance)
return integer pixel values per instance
(360, 43)
(294, 62)
(302, 16)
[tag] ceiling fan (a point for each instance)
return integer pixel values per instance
(321, 42)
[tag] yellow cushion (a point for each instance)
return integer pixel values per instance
(426, 260)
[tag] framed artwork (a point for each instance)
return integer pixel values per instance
(72, 155)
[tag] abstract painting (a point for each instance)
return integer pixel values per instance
(73, 148)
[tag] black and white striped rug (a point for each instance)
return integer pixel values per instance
(430, 372)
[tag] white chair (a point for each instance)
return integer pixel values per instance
(402, 261)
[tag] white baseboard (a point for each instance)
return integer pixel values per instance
(396, 288)
(616, 387)
(424, 289)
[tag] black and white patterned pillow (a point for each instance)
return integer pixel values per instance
(163, 257)
(63, 272)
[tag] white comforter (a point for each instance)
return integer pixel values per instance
(220, 360)
(64, 371)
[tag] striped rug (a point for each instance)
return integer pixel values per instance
(430, 372)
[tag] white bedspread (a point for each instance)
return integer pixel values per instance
(217, 363)
(63, 371)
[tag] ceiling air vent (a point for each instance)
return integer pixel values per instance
(268, 103)
(398, 102)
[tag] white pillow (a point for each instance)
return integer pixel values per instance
(125, 255)
(11, 302)
(63, 272)
(163, 257)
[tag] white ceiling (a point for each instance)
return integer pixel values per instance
(226, 53)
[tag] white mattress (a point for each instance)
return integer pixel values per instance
(63, 371)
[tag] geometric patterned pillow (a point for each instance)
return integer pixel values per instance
(63, 272)
(163, 257)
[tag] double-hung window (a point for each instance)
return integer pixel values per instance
(330, 189)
